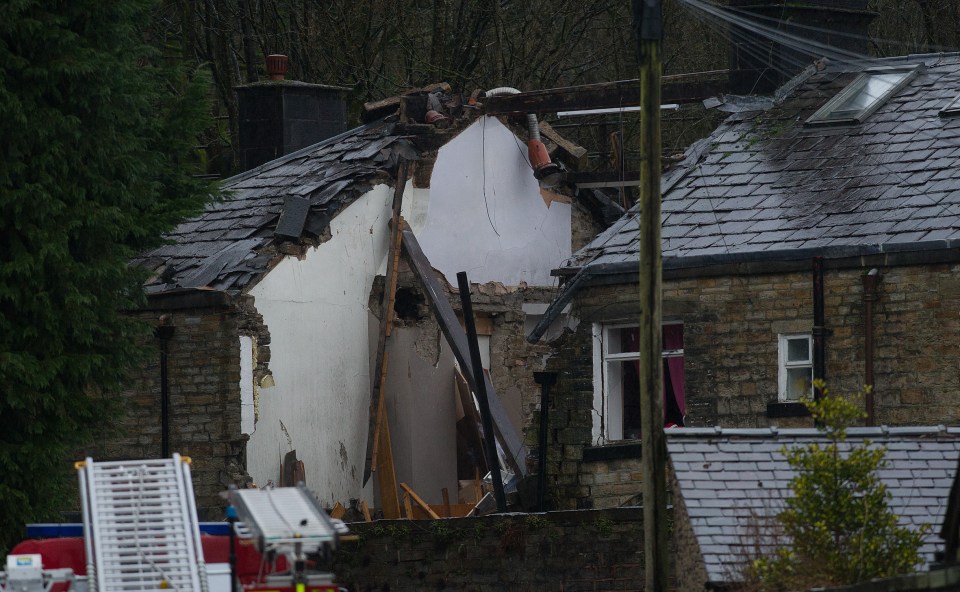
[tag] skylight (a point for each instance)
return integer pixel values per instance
(952, 109)
(863, 96)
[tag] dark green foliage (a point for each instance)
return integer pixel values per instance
(97, 131)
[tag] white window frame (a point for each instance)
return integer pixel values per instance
(826, 114)
(607, 410)
(783, 364)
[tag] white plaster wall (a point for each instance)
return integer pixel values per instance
(246, 385)
(316, 310)
(485, 213)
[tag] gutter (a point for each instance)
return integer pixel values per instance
(570, 289)
(885, 255)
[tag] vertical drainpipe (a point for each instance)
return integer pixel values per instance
(164, 333)
(545, 380)
(819, 333)
(870, 282)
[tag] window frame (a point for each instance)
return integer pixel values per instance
(824, 115)
(783, 365)
(952, 109)
(607, 412)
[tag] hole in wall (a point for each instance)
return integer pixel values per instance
(407, 304)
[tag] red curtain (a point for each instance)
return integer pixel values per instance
(673, 339)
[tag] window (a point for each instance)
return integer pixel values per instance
(796, 367)
(952, 109)
(616, 413)
(864, 95)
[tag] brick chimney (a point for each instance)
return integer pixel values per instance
(760, 66)
(279, 116)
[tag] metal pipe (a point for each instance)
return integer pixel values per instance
(545, 380)
(489, 438)
(232, 557)
(819, 333)
(164, 333)
(870, 282)
(87, 512)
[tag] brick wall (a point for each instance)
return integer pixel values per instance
(571, 551)
(204, 400)
(731, 324)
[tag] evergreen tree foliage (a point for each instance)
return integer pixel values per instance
(839, 523)
(97, 133)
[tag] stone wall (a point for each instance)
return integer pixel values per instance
(204, 399)
(571, 551)
(731, 326)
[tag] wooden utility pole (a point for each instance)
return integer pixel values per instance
(647, 22)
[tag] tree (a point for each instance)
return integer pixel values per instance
(839, 524)
(98, 132)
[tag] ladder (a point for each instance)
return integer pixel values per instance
(140, 526)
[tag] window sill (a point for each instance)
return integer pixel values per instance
(626, 449)
(787, 409)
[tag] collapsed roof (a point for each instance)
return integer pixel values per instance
(225, 247)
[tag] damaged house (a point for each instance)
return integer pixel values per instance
(268, 305)
(814, 234)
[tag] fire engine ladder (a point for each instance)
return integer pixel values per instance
(140, 526)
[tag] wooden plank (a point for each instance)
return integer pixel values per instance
(392, 276)
(456, 511)
(386, 473)
(446, 501)
(381, 413)
(681, 88)
(516, 451)
(386, 314)
(407, 506)
(577, 153)
(375, 109)
(338, 511)
(413, 495)
(365, 510)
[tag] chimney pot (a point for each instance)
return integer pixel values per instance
(277, 66)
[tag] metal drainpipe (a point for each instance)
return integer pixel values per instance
(545, 380)
(164, 333)
(819, 333)
(870, 282)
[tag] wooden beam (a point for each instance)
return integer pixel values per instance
(446, 501)
(386, 315)
(407, 506)
(338, 511)
(457, 339)
(410, 492)
(376, 109)
(365, 510)
(386, 474)
(681, 88)
(648, 27)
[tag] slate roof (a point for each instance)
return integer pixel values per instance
(733, 480)
(230, 245)
(765, 186)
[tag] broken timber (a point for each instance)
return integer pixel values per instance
(386, 321)
(406, 488)
(516, 452)
(681, 88)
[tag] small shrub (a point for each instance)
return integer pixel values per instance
(839, 521)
